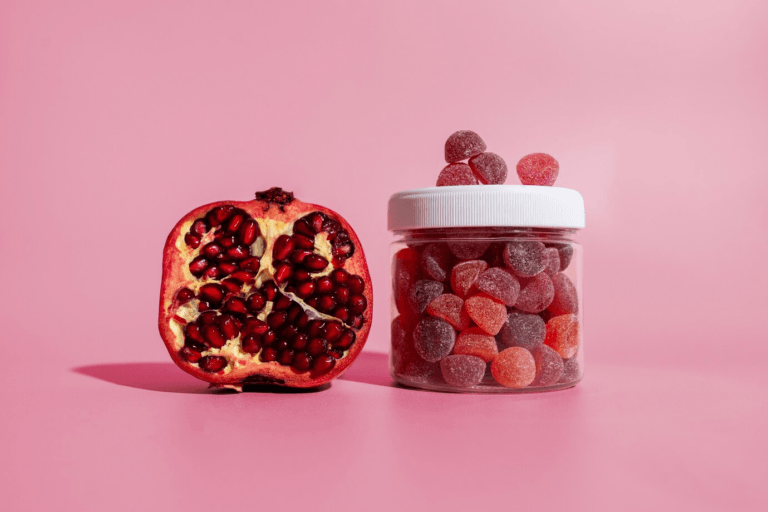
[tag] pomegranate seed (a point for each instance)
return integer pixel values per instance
(193, 331)
(255, 326)
(346, 340)
(229, 328)
(302, 227)
(256, 302)
(203, 306)
(283, 272)
(315, 262)
(251, 264)
(251, 343)
(294, 311)
(276, 318)
(238, 252)
(288, 332)
(280, 345)
(197, 345)
(213, 364)
(198, 265)
(236, 305)
(301, 276)
(226, 241)
(232, 285)
(192, 240)
(315, 221)
(283, 247)
(269, 289)
(285, 357)
(325, 303)
(302, 321)
(336, 353)
(299, 255)
(315, 328)
(356, 284)
(343, 251)
(245, 276)
(323, 285)
(282, 303)
(304, 290)
(227, 268)
(342, 314)
(213, 336)
(323, 364)
(212, 292)
(299, 341)
(249, 231)
(302, 362)
(212, 272)
(222, 213)
(305, 243)
(190, 355)
(332, 228)
(339, 276)
(342, 295)
(199, 228)
(268, 338)
(357, 304)
(316, 346)
(208, 318)
(235, 222)
(268, 355)
(312, 302)
(184, 295)
(212, 250)
(332, 331)
(356, 322)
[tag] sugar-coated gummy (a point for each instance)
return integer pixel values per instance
(564, 335)
(566, 300)
(535, 294)
(405, 266)
(500, 284)
(476, 342)
(486, 312)
(462, 371)
(403, 351)
(489, 168)
(436, 261)
(454, 175)
(552, 266)
(433, 338)
(549, 366)
(462, 145)
(514, 368)
(525, 259)
(538, 169)
(422, 293)
(571, 370)
(419, 371)
(522, 330)
(464, 275)
(450, 308)
(468, 250)
(565, 251)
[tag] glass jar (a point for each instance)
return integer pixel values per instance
(486, 288)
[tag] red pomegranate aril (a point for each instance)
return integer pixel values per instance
(238, 252)
(356, 284)
(203, 306)
(222, 213)
(336, 353)
(198, 265)
(325, 303)
(282, 303)
(283, 247)
(251, 343)
(251, 264)
(356, 322)
(316, 346)
(213, 364)
(280, 345)
(315, 328)
(323, 364)
(245, 276)
(299, 341)
(229, 328)
(315, 262)
(285, 357)
(193, 331)
(346, 340)
(269, 289)
(315, 221)
(255, 302)
(302, 227)
(249, 231)
(331, 228)
(323, 285)
(302, 362)
(213, 336)
(342, 313)
(283, 272)
(342, 295)
(332, 331)
(236, 305)
(212, 250)
(302, 321)
(288, 331)
(226, 268)
(312, 302)
(226, 241)
(190, 354)
(339, 276)
(305, 290)
(268, 355)
(298, 256)
(268, 338)
(184, 295)
(192, 240)
(232, 285)
(301, 276)
(304, 242)
(235, 222)
(212, 273)
(357, 304)
(343, 251)
(208, 318)
(294, 310)
(212, 292)
(276, 318)
(199, 228)
(255, 326)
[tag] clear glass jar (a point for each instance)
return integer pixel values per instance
(488, 309)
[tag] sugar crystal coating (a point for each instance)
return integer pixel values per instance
(571, 370)
(549, 366)
(563, 335)
(535, 294)
(565, 301)
(450, 308)
(486, 312)
(464, 275)
(454, 175)
(500, 284)
(462, 371)
(523, 330)
(476, 342)
(462, 145)
(436, 261)
(538, 169)
(468, 250)
(433, 338)
(514, 368)
(552, 266)
(489, 168)
(422, 293)
(525, 259)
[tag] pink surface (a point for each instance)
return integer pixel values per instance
(117, 118)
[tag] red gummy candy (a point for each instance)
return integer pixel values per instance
(462, 145)
(525, 259)
(523, 330)
(489, 168)
(571, 371)
(450, 308)
(566, 300)
(549, 366)
(454, 175)
(462, 371)
(535, 294)
(563, 335)
(500, 284)
(538, 169)
(486, 312)
(464, 275)
(476, 342)
(514, 368)
(436, 261)
(552, 266)
(422, 293)
(433, 339)
(405, 265)
(403, 351)
(468, 250)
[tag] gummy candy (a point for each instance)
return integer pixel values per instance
(535, 294)
(476, 342)
(455, 175)
(405, 265)
(462, 145)
(422, 293)
(419, 371)
(523, 330)
(436, 261)
(489, 168)
(566, 301)
(514, 368)
(434, 339)
(462, 371)
(464, 275)
(552, 266)
(486, 312)
(468, 250)
(526, 259)
(538, 169)
(563, 333)
(402, 344)
(571, 370)
(500, 284)
(566, 253)
(549, 366)
(450, 308)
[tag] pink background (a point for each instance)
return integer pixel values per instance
(116, 118)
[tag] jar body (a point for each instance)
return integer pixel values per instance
(489, 310)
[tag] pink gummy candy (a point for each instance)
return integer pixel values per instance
(433, 339)
(462, 145)
(535, 294)
(525, 259)
(489, 168)
(566, 300)
(464, 275)
(565, 251)
(564, 335)
(405, 265)
(468, 250)
(476, 342)
(462, 371)
(403, 351)
(486, 312)
(549, 366)
(450, 308)
(422, 293)
(514, 368)
(523, 330)
(552, 266)
(571, 371)
(436, 261)
(538, 169)
(454, 175)
(500, 284)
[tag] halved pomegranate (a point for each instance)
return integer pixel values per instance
(270, 291)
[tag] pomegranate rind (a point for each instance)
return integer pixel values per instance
(176, 276)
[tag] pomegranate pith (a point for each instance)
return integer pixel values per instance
(272, 291)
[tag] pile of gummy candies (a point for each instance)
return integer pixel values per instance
(467, 307)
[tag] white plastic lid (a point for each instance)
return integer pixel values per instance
(486, 205)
